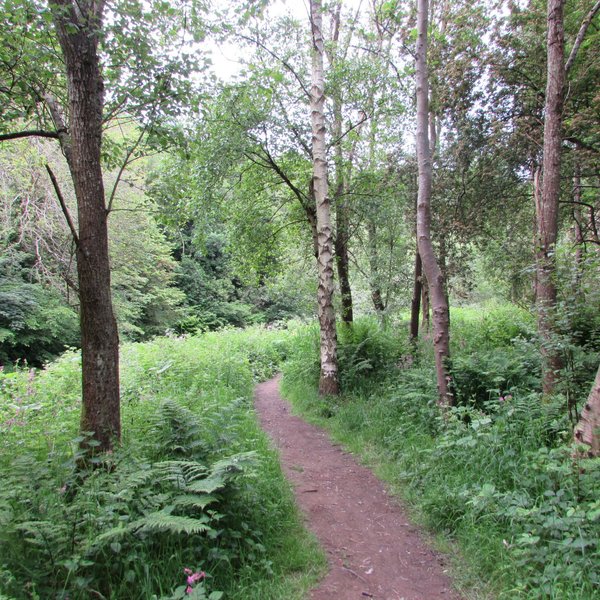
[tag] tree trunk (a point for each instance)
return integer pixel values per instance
(342, 186)
(425, 308)
(328, 383)
(343, 261)
(587, 430)
(342, 223)
(547, 209)
(310, 210)
(376, 295)
(435, 278)
(415, 307)
(78, 26)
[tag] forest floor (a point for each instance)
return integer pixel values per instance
(372, 548)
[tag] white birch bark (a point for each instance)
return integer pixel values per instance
(328, 383)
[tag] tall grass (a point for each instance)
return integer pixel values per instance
(195, 484)
(497, 476)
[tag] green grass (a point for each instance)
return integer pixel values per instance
(186, 408)
(496, 480)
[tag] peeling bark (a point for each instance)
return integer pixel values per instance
(328, 382)
(587, 430)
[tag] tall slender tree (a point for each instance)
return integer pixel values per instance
(328, 382)
(435, 277)
(78, 26)
(547, 206)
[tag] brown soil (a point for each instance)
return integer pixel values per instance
(373, 551)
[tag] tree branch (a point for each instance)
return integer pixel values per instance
(580, 35)
(352, 127)
(581, 144)
(126, 162)
(63, 205)
(281, 60)
(30, 133)
(61, 129)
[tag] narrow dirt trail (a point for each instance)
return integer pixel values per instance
(373, 551)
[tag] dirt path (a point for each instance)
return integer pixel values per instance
(373, 551)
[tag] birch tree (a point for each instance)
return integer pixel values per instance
(328, 382)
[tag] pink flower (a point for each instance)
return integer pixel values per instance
(195, 577)
(192, 578)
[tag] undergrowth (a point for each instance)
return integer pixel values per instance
(193, 504)
(497, 476)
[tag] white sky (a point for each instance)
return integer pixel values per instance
(226, 57)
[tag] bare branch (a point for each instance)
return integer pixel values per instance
(281, 60)
(352, 127)
(63, 204)
(124, 165)
(31, 133)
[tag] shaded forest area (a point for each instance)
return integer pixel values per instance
(419, 179)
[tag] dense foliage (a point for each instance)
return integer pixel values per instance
(194, 485)
(210, 209)
(497, 475)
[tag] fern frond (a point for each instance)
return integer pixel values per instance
(209, 485)
(113, 534)
(164, 522)
(194, 501)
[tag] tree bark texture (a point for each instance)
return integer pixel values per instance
(342, 259)
(342, 185)
(328, 382)
(435, 278)
(547, 207)
(78, 25)
(425, 308)
(587, 430)
(415, 307)
(342, 235)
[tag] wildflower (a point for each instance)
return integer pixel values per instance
(192, 578)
